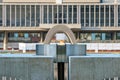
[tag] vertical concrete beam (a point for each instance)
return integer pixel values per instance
(114, 36)
(116, 15)
(3, 15)
(41, 37)
(5, 41)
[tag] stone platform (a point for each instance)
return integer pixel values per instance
(26, 67)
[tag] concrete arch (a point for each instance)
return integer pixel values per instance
(60, 28)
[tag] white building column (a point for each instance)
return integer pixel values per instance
(40, 15)
(80, 15)
(62, 15)
(52, 14)
(67, 15)
(5, 41)
(72, 14)
(41, 37)
(47, 14)
(4, 15)
(57, 14)
(42, 7)
(10, 15)
(116, 15)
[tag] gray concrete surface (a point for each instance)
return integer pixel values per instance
(76, 49)
(46, 50)
(94, 67)
(26, 67)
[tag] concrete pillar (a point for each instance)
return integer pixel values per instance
(5, 41)
(3, 15)
(114, 36)
(116, 15)
(41, 37)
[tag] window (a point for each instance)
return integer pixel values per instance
(12, 15)
(70, 14)
(82, 15)
(55, 14)
(37, 15)
(87, 16)
(60, 14)
(64, 14)
(45, 14)
(50, 14)
(74, 14)
(119, 15)
(8, 15)
(92, 16)
(32, 15)
(27, 15)
(102, 16)
(0, 15)
(23, 15)
(97, 15)
(107, 15)
(17, 15)
(112, 15)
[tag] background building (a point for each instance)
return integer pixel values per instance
(29, 21)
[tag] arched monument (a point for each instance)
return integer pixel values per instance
(57, 29)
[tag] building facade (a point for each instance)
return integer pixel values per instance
(30, 20)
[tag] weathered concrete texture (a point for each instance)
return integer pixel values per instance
(46, 49)
(22, 68)
(93, 68)
(76, 49)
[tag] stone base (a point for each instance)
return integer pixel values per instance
(14, 67)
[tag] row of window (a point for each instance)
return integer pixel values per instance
(86, 15)
(95, 16)
(87, 36)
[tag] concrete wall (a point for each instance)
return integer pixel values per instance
(1, 1)
(94, 68)
(26, 68)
